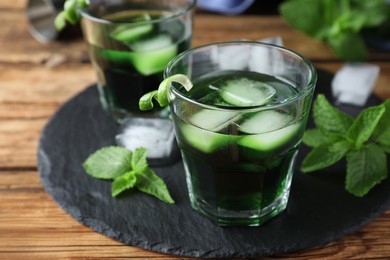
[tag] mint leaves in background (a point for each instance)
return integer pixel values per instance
(339, 23)
(363, 141)
(128, 170)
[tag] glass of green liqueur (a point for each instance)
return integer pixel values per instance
(130, 43)
(240, 126)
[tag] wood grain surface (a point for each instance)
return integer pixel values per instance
(36, 79)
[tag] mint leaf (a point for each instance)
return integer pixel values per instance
(376, 11)
(149, 182)
(304, 15)
(348, 46)
(382, 131)
(366, 167)
(109, 162)
(314, 138)
(123, 182)
(325, 155)
(128, 169)
(365, 124)
(328, 118)
(338, 23)
(384, 140)
(138, 161)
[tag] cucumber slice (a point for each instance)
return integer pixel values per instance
(129, 33)
(122, 57)
(152, 62)
(204, 140)
(152, 55)
(269, 141)
(265, 121)
(213, 120)
(153, 43)
(202, 132)
(246, 92)
(267, 130)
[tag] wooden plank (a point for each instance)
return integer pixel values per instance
(29, 95)
(32, 225)
(207, 29)
(14, 4)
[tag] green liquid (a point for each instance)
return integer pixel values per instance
(229, 168)
(129, 60)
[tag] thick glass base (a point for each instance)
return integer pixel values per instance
(256, 217)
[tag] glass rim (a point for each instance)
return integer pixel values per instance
(309, 87)
(85, 14)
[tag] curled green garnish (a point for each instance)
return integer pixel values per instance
(161, 94)
(70, 13)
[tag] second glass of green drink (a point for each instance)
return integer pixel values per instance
(240, 126)
(130, 42)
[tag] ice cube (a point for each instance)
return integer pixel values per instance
(247, 92)
(156, 135)
(267, 61)
(232, 58)
(277, 40)
(354, 82)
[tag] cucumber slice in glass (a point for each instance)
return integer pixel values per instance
(265, 121)
(246, 92)
(213, 120)
(152, 43)
(271, 140)
(267, 130)
(129, 33)
(151, 55)
(204, 140)
(122, 57)
(148, 63)
(202, 132)
(125, 34)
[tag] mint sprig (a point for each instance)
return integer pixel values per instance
(70, 13)
(339, 23)
(363, 141)
(128, 170)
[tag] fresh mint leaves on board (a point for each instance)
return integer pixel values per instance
(339, 23)
(364, 142)
(128, 170)
(70, 13)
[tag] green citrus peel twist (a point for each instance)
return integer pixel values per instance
(70, 13)
(161, 94)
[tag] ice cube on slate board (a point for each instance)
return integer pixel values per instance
(354, 82)
(156, 135)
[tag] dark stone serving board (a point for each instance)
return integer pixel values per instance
(319, 209)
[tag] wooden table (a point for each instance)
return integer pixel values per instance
(36, 79)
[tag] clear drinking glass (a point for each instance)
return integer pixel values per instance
(130, 42)
(240, 126)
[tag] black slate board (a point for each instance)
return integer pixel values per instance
(318, 212)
